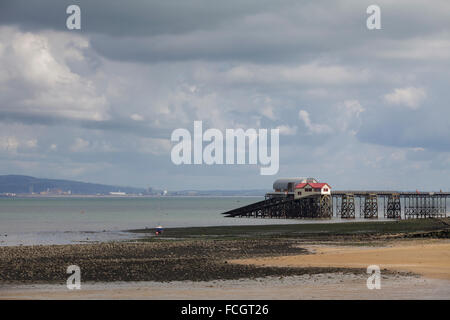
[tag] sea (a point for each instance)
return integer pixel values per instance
(66, 220)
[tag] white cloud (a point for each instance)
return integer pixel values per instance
(353, 107)
(349, 116)
(137, 117)
(317, 92)
(154, 146)
(399, 155)
(313, 127)
(436, 47)
(319, 74)
(12, 143)
(38, 81)
(267, 111)
(266, 107)
(410, 97)
(9, 144)
(287, 130)
(80, 145)
(312, 73)
(31, 143)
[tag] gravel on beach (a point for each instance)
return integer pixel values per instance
(195, 260)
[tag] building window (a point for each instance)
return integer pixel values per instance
(325, 189)
(299, 193)
(308, 189)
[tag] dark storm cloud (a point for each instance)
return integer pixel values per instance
(288, 32)
(132, 18)
(179, 30)
(250, 30)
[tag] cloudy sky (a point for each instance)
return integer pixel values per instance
(357, 108)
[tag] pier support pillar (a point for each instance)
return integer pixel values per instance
(371, 206)
(394, 209)
(347, 207)
(326, 206)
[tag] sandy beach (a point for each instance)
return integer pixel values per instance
(429, 258)
(319, 286)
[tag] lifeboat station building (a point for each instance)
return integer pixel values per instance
(310, 189)
(298, 188)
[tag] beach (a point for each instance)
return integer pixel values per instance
(429, 258)
(251, 262)
(318, 286)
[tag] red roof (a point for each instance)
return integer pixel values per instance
(313, 185)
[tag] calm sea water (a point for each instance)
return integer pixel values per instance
(33, 221)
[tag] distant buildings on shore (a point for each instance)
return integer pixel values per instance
(26, 186)
(58, 192)
(118, 193)
(7, 194)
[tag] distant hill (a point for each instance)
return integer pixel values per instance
(25, 184)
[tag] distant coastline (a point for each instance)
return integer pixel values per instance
(26, 186)
(128, 196)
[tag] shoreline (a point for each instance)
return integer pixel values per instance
(260, 227)
(316, 230)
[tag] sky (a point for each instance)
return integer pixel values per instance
(357, 108)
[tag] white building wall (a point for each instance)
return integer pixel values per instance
(312, 192)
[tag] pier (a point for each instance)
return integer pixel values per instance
(305, 198)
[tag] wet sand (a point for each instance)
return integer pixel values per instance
(316, 286)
